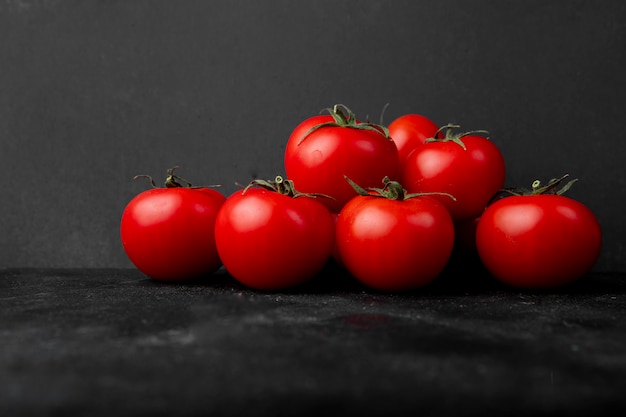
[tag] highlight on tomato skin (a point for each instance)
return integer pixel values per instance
(394, 241)
(410, 131)
(270, 236)
(323, 148)
(168, 232)
(539, 239)
(467, 165)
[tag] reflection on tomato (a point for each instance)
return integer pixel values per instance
(269, 239)
(468, 166)
(323, 149)
(394, 241)
(168, 233)
(538, 240)
(410, 131)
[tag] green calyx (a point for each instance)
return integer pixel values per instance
(450, 136)
(282, 186)
(344, 117)
(552, 187)
(391, 190)
(172, 180)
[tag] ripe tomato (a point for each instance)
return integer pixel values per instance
(409, 131)
(274, 237)
(394, 241)
(467, 166)
(168, 233)
(324, 148)
(539, 239)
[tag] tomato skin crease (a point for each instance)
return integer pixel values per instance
(394, 245)
(270, 241)
(538, 241)
(168, 233)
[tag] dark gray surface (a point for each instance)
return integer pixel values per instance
(94, 92)
(97, 342)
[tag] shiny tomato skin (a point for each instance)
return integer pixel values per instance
(318, 162)
(271, 241)
(409, 131)
(538, 241)
(394, 245)
(472, 175)
(168, 233)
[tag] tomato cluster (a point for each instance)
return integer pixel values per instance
(389, 204)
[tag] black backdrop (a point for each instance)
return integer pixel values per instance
(94, 92)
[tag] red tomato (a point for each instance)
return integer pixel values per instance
(272, 240)
(538, 241)
(467, 166)
(394, 243)
(409, 131)
(168, 233)
(317, 160)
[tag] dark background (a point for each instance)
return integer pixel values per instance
(95, 92)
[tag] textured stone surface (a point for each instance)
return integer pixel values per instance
(111, 341)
